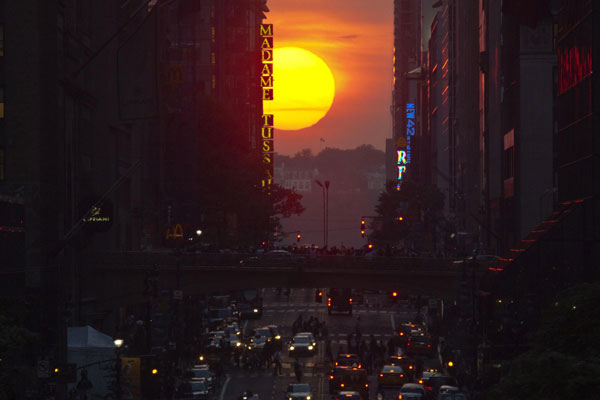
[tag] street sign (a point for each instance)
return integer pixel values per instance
(177, 294)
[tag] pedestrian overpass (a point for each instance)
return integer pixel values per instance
(124, 278)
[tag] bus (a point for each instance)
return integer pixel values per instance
(339, 300)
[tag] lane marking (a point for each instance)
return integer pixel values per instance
(224, 388)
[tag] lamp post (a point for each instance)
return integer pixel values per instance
(118, 343)
(325, 187)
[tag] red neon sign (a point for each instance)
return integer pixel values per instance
(574, 65)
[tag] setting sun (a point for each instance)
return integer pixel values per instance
(303, 88)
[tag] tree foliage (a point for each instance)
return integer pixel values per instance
(16, 342)
(564, 359)
(230, 179)
(419, 205)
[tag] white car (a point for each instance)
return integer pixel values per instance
(298, 391)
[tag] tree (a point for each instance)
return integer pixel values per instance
(564, 359)
(16, 343)
(231, 199)
(418, 205)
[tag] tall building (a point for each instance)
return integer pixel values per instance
(453, 126)
(211, 110)
(517, 123)
(405, 91)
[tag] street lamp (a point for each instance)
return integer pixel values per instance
(118, 343)
(325, 187)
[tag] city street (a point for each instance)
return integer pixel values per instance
(378, 318)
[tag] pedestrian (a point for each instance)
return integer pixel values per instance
(328, 352)
(277, 367)
(298, 370)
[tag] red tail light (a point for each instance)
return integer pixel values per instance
(428, 345)
(330, 376)
(350, 301)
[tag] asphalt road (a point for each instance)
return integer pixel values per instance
(377, 318)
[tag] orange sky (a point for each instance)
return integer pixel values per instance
(355, 39)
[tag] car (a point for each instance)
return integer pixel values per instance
(219, 338)
(348, 395)
(412, 391)
(392, 375)
(404, 331)
(436, 381)
(232, 331)
(195, 390)
(298, 391)
(349, 379)
(447, 392)
(248, 395)
(419, 345)
(309, 335)
(203, 375)
(402, 360)
(424, 378)
(248, 311)
(276, 337)
(220, 317)
(348, 360)
(302, 345)
(258, 338)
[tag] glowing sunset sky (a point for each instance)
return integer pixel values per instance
(355, 39)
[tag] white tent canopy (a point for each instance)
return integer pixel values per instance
(88, 346)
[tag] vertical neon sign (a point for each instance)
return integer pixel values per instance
(267, 141)
(404, 156)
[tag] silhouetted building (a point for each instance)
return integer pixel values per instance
(453, 125)
(211, 109)
(517, 119)
(405, 93)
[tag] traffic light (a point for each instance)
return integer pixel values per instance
(450, 368)
(298, 236)
(362, 228)
(394, 295)
(318, 296)
(400, 218)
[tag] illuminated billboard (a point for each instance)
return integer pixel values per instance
(404, 149)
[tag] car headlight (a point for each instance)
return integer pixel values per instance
(277, 337)
(255, 310)
(310, 347)
(238, 344)
(291, 347)
(308, 397)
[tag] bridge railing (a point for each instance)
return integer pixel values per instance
(162, 259)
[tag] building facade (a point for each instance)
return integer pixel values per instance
(405, 91)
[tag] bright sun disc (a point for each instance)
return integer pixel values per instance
(303, 89)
